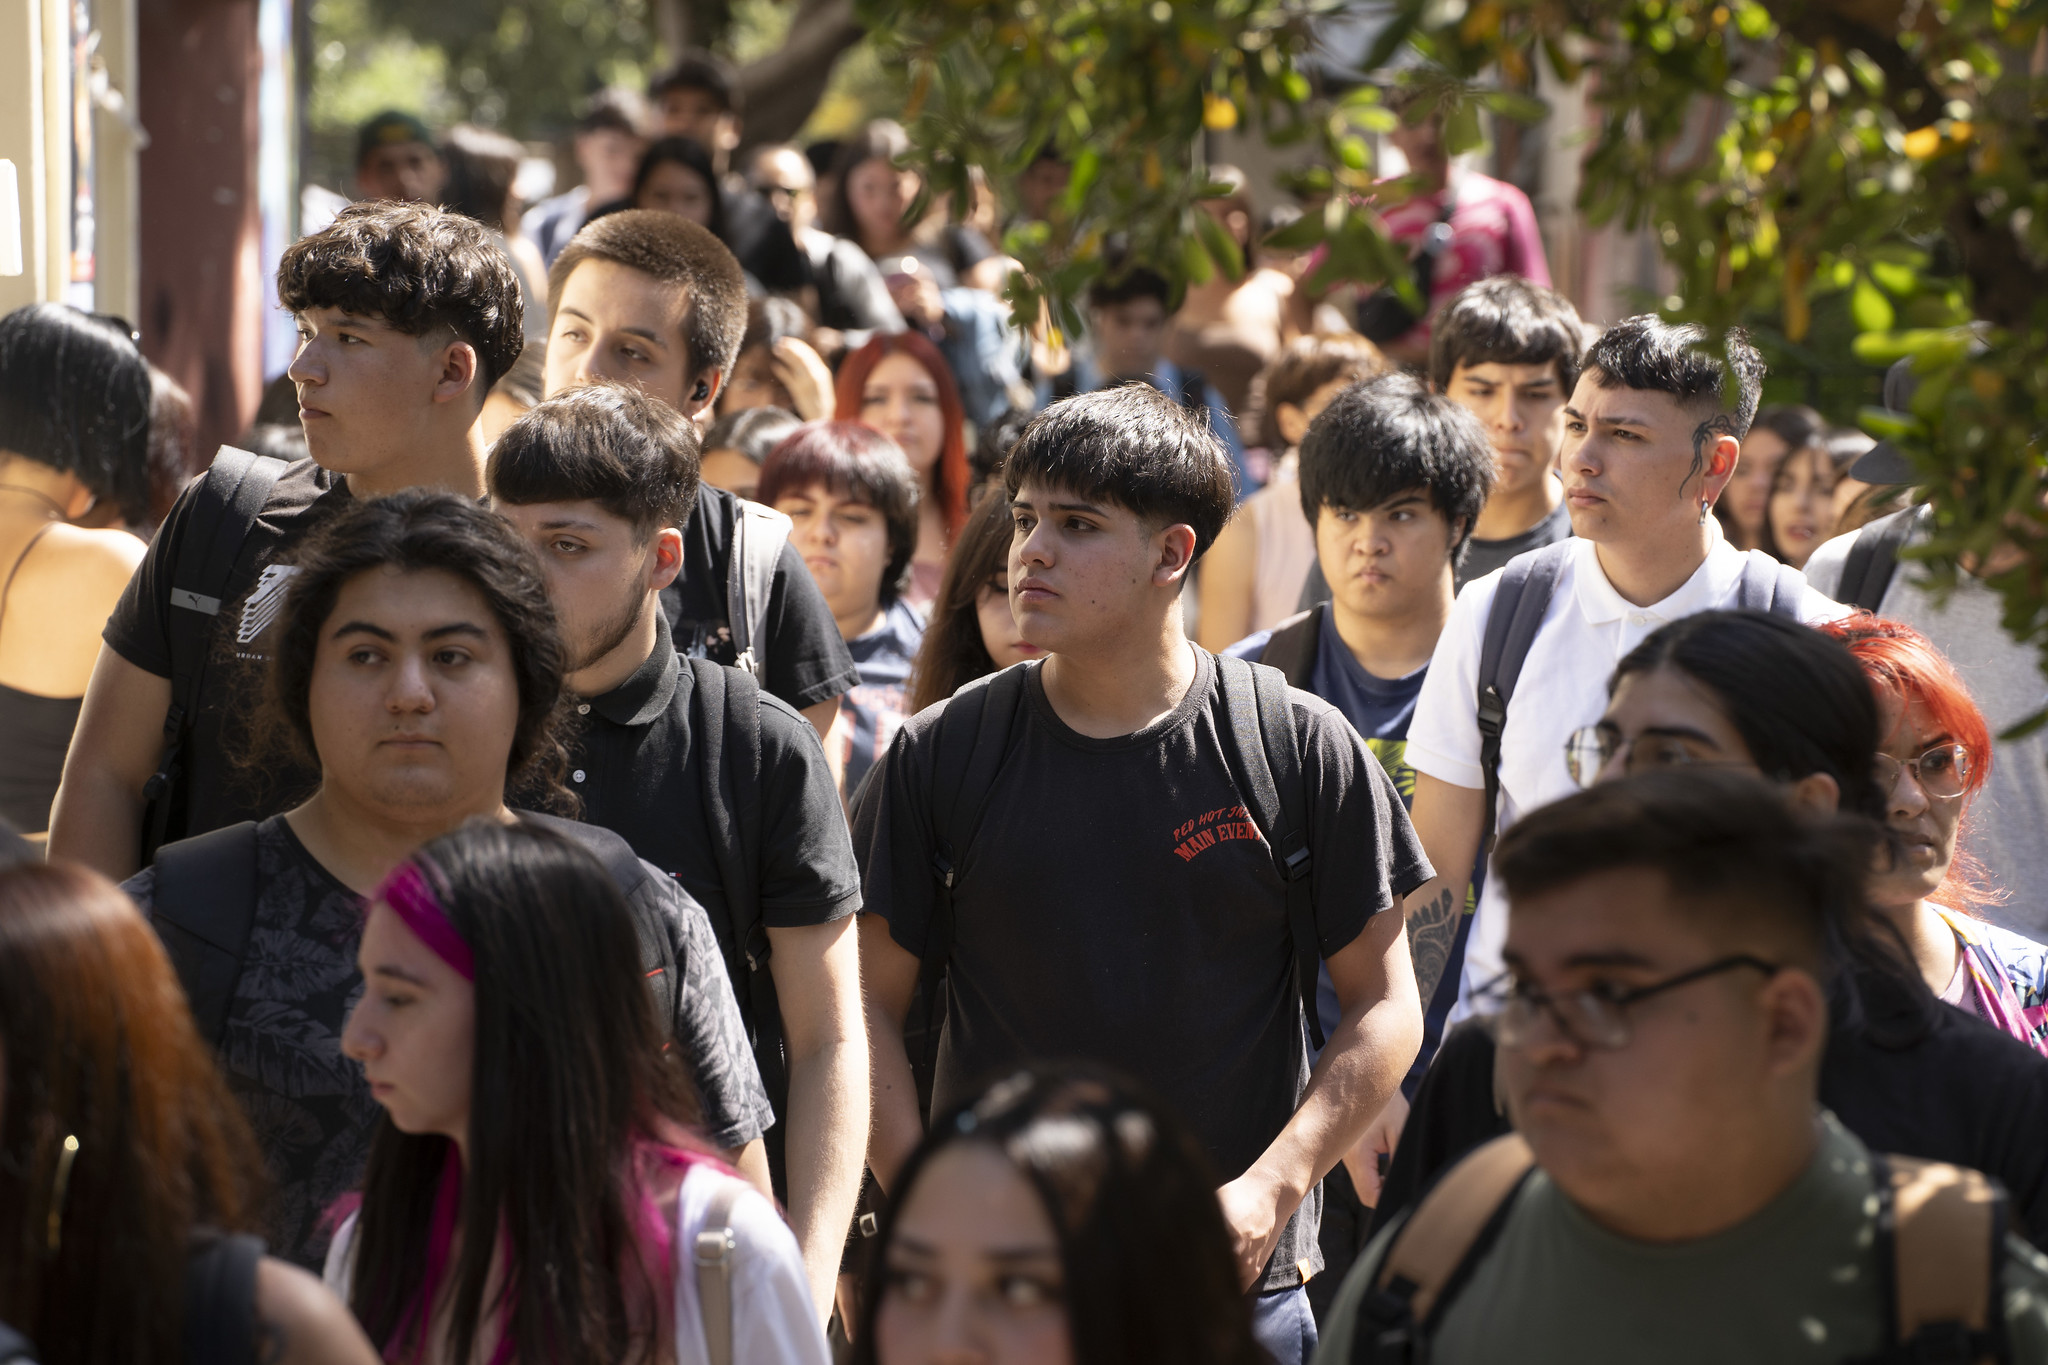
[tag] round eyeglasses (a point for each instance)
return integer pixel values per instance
(1596, 1016)
(1943, 770)
(1592, 747)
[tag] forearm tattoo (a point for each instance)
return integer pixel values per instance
(1432, 929)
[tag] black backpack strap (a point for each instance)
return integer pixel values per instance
(230, 498)
(1293, 645)
(1435, 1250)
(220, 1299)
(1874, 558)
(1519, 602)
(1268, 762)
(726, 725)
(1941, 1233)
(203, 910)
(972, 739)
(1766, 585)
(633, 878)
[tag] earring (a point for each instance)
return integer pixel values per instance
(1706, 510)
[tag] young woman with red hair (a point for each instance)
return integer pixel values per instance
(1934, 756)
(900, 385)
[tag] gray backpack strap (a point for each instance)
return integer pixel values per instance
(716, 1251)
(1768, 586)
(1519, 604)
(1269, 765)
(758, 535)
(204, 911)
(1874, 558)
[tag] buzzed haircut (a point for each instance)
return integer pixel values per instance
(673, 250)
(1647, 353)
(699, 70)
(611, 444)
(420, 270)
(1133, 447)
(1506, 320)
(1731, 845)
(1388, 436)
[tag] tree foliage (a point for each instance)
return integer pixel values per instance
(1881, 164)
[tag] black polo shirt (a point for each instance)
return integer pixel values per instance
(635, 765)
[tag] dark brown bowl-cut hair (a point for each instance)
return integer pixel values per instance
(953, 653)
(674, 251)
(611, 444)
(101, 1058)
(857, 463)
(418, 531)
(418, 268)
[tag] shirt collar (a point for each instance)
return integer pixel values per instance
(647, 691)
(1708, 587)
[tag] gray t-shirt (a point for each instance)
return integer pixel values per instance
(2007, 825)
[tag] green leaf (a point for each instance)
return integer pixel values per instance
(1461, 129)
(1514, 105)
(1299, 235)
(1869, 307)
(1899, 280)
(1219, 246)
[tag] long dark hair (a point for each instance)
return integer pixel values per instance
(1798, 698)
(1146, 1258)
(118, 1136)
(573, 1104)
(953, 653)
(415, 531)
(75, 395)
(691, 157)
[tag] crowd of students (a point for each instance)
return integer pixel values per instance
(728, 807)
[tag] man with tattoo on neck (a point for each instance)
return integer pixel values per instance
(1653, 431)
(1393, 478)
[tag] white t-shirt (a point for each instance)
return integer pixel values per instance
(2007, 827)
(772, 1316)
(1586, 631)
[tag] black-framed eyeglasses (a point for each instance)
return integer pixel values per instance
(1597, 1016)
(1592, 747)
(1942, 770)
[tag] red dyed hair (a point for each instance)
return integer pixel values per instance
(1904, 666)
(951, 477)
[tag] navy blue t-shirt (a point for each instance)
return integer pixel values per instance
(1379, 709)
(872, 713)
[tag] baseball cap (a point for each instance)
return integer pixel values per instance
(388, 129)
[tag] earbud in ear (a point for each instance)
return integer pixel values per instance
(701, 392)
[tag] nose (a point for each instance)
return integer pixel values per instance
(303, 370)
(359, 1042)
(954, 1338)
(1908, 798)
(1035, 548)
(411, 689)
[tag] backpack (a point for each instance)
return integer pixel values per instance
(1874, 557)
(972, 740)
(758, 535)
(1941, 1235)
(1293, 645)
(204, 912)
(715, 1252)
(1527, 584)
(221, 1324)
(230, 497)
(726, 723)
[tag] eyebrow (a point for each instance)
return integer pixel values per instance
(642, 332)
(905, 1242)
(437, 633)
(400, 973)
(570, 524)
(1095, 508)
(1677, 732)
(1614, 957)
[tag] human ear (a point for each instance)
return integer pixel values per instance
(666, 560)
(458, 374)
(1176, 550)
(1722, 458)
(703, 392)
(1796, 1021)
(1817, 792)
(1293, 426)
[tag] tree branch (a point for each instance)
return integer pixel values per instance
(784, 87)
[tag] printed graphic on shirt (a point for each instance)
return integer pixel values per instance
(869, 717)
(1393, 756)
(265, 601)
(1213, 827)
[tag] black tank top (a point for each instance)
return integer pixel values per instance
(35, 732)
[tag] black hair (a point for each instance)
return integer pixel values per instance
(481, 168)
(1718, 835)
(753, 432)
(418, 268)
(1801, 702)
(855, 462)
(611, 444)
(1793, 423)
(1139, 282)
(992, 442)
(569, 1086)
(418, 531)
(692, 157)
(1506, 320)
(1388, 436)
(1649, 354)
(699, 70)
(173, 449)
(75, 396)
(614, 110)
(1134, 447)
(952, 653)
(675, 251)
(1148, 1274)
(879, 140)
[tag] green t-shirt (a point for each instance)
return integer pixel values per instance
(1797, 1283)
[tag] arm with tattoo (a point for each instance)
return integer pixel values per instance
(1448, 819)
(1432, 929)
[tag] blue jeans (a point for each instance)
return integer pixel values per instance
(1283, 1325)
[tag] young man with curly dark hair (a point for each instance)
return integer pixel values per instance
(407, 316)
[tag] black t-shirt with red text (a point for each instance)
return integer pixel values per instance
(1118, 905)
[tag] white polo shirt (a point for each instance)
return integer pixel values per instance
(1586, 631)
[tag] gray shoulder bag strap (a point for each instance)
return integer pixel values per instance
(758, 535)
(716, 1251)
